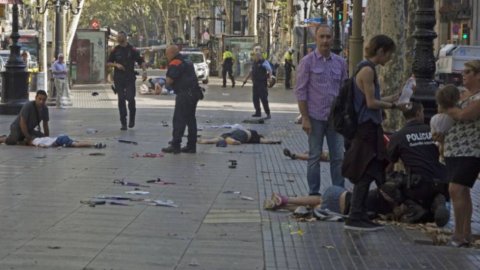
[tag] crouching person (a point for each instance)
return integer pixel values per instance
(26, 126)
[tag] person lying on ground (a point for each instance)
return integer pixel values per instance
(304, 156)
(60, 141)
(239, 136)
(155, 86)
(26, 125)
(384, 202)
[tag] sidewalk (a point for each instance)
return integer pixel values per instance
(44, 225)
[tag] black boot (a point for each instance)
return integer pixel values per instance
(189, 149)
(414, 212)
(131, 121)
(171, 149)
(440, 210)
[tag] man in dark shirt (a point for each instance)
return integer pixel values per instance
(23, 128)
(123, 58)
(413, 144)
(260, 73)
(182, 78)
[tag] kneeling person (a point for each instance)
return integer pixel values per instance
(24, 128)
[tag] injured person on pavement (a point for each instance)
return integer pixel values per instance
(237, 137)
(60, 141)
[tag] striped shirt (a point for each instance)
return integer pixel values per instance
(318, 82)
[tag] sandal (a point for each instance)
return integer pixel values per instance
(279, 200)
(289, 154)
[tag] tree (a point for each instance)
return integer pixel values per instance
(389, 19)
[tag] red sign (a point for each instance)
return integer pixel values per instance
(95, 24)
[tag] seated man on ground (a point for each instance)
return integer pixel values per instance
(26, 125)
(237, 137)
(426, 182)
(60, 141)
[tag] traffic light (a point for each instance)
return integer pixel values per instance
(339, 8)
(465, 32)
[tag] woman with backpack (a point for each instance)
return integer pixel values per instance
(366, 159)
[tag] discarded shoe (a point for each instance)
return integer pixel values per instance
(301, 211)
(289, 154)
(100, 145)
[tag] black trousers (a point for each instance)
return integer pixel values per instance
(288, 77)
(227, 69)
(183, 116)
(126, 92)
(260, 93)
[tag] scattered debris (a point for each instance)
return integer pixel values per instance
(41, 156)
(128, 141)
(246, 198)
(164, 124)
(328, 247)
(93, 203)
(91, 131)
(232, 192)
(160, 182)
(96, 154)
(301, 211)
(137, 192)
(147, 155)
(119, 203)
(124, 182)
(54, 247)
(233, 164)
(166, 203)
(95, 94)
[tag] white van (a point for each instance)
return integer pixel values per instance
(200, 64)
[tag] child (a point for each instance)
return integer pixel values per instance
(63, 141)
(447, 97)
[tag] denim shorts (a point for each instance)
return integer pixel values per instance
(331, 198)
(64, 140)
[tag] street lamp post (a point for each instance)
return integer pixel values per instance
(266, 18)
(305, 14)
(337, 44)
(424, 61)
(15, 77)
(59, 6)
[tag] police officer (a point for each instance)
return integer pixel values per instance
(288, 57)
(227, 67)
(123, 58)
(181, 77)
(260, 73)
(427, 184)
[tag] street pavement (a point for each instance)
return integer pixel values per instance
(45, 226)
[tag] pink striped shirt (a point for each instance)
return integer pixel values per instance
(318, 82)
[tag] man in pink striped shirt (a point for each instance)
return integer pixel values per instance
(319, 77)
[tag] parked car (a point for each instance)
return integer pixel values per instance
(200, 63)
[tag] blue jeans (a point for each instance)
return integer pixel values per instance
(335, 143)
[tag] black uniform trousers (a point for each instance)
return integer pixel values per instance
(227, 68)
(126, 92)
(260, 93)
(288, 75)
(183, 116)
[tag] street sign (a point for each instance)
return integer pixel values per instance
(95, 24)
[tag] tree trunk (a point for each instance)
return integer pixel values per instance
(372, 19)
(391, 75)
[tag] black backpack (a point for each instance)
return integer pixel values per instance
(343, 116)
